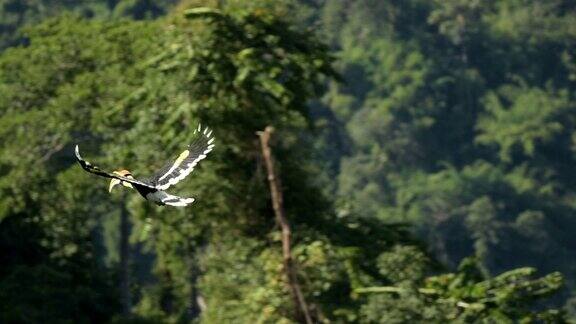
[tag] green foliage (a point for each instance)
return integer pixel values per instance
(15, 14)
(461, 297)
(535, 118)
(459, 116)
(45, 105)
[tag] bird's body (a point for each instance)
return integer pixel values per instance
(153, 189)
(161, 197)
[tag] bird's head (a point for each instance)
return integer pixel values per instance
(115, 182)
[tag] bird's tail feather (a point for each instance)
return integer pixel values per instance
(176, 201)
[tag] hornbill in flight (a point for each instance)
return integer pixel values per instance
(153, 188)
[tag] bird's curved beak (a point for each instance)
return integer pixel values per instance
(113, 183)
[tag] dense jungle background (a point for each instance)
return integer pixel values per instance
(426, 149)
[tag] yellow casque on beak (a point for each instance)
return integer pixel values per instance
(113, 183)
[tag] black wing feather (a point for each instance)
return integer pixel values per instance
(97, 171)
(184, 164)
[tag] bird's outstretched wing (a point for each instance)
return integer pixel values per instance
(184, 164)
(96, 170)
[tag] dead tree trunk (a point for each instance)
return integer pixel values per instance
(278, 205)
(125, 294)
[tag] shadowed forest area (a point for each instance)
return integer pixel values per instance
(424, 150)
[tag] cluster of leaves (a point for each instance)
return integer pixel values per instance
(461, 297)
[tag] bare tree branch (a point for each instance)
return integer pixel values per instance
(282, 221)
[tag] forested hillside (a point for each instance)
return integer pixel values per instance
(425, 151)
(458, 118)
